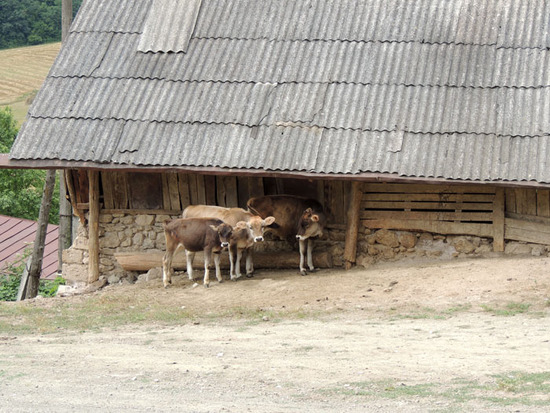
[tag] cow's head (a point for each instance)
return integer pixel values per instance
(224, 232)
(257, 226)
(311, 224)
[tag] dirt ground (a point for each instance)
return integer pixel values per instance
(462, 335)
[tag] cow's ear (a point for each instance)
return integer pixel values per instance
(215, 228)
(315, 218)
(308, 211)
(269, 221)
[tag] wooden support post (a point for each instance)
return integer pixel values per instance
(498, 220)
(93, 227)
(352, 229)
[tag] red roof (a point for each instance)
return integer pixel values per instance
(17, 234)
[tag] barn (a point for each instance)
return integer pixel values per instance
(424, 117)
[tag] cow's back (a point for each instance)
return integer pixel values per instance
(228, 215)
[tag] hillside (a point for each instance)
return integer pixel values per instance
(22, 72)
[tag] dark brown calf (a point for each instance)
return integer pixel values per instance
(209, 235)
(295, 216)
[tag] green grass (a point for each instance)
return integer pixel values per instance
(509, 310)
(510, 389)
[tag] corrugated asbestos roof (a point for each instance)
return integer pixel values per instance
(429, 88)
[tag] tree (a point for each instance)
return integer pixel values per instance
(21, 189)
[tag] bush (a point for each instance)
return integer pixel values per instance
(10, 279)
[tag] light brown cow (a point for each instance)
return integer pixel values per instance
(255, 227)
(209, 235)
(295, 216)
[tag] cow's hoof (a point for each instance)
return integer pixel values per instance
(207, 285)
(313, 269)
(303, 272)
(250, 275)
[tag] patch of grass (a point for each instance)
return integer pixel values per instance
(517, 389)
(509, 310)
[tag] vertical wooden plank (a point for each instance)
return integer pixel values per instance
(107, 183)
(121, 190)
(336, 202)
(173, 191)
(510, 200)
(499, 214)
(256, 187)
(352, 225)
(81, 180)
(193, 191)
(231, 194)
(220, 191)
(165, 192)
(543, 202)
(201, 190)
(210, 188)
(183, 184)
(242, 191)
(531, 201)
(93, 227)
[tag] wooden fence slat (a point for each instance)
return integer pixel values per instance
(231, 194)
(521, 230)
(450, 206)
(107, 183)
(427, 188)
(193, 190)
(210, 189)
(165, 192)
(255, 186)
(428, 216)
(201, 190)
(428, 197)
(498, 221)
(173, 191)
(121, 190)
(437, 227)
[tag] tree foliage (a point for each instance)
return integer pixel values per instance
(21, 189)
(28, 22)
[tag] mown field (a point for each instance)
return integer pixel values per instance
(22, 72)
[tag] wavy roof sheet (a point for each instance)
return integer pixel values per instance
(430, 88)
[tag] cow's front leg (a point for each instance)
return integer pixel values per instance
(238, 263)
(310, 254)
(232, 258)
(190, 256)
(217, 256)
(167, 268)
(207, 259)
(302, 256)
(249, 263)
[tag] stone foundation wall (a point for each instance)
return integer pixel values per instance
(131, 232)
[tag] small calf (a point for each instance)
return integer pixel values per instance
(209, 235)
(242, 240)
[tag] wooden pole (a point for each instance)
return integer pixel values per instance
(498, 220)
(352, 229)
(93, 227)
(66, 18)
(65, 213)
(38, 246)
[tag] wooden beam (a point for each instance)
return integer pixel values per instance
(352, 230)
(498, 220)
(144, 261)
(93, 227)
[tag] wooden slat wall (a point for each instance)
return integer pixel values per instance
(444, 209)
(528, 215)
(171, 192)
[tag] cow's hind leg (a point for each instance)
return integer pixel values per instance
(171, 247)
(207, 259)
(310, 254)
(190, 256)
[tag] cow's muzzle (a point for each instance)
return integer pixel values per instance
(258, 239)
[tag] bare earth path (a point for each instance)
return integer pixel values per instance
(470, 335)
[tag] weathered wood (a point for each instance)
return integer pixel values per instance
(201, 190)
(521, 230)
(411, 205)
(165, 192)
(428, 216)
(39, 241)
(68, 176)
(543, 202)
(429, 188)
(144, 261)
(93, 227)
(173, 191)
(336, 201)
(142, 211)
(231, 194)
(107, 182)
(183, 185)
(243, 191)
(193, 190)
(145, 190)
(210, 189)
(255, 186)
(526, 201)
(438, 227)
(81, 186)
(443, 197)
(121, 191)
(352, 230)
(498, 220)
(529, 218)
